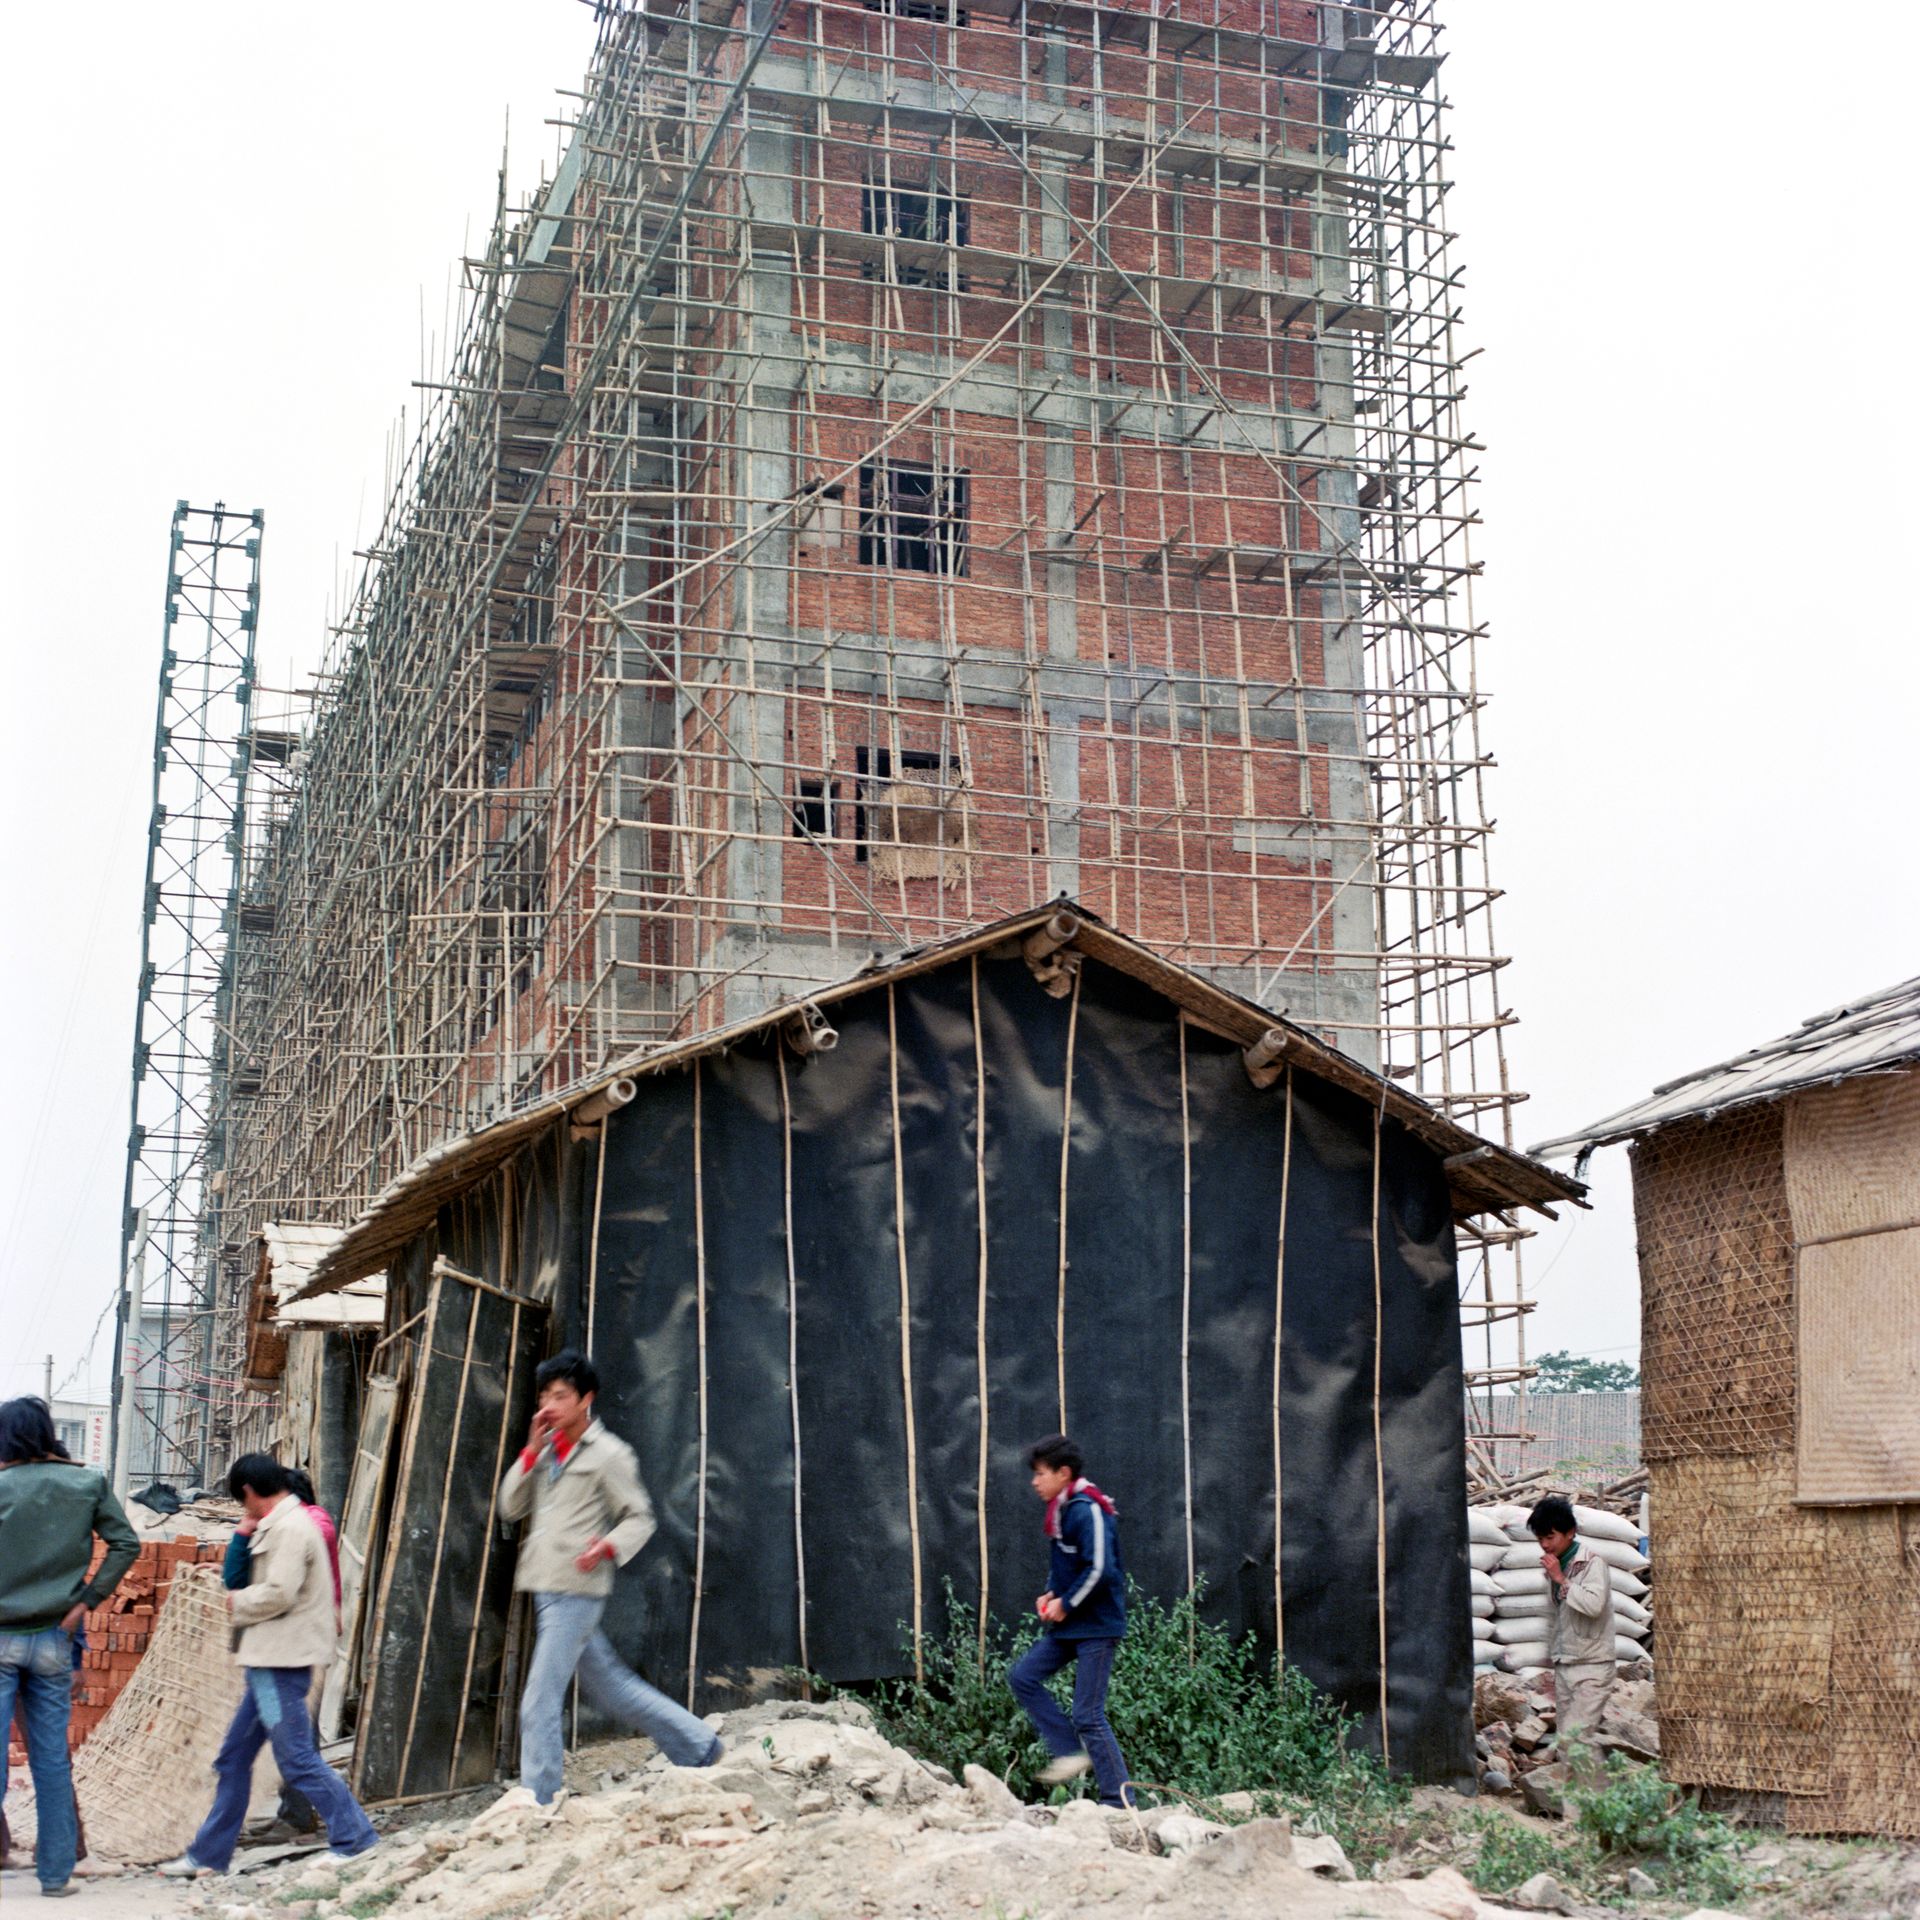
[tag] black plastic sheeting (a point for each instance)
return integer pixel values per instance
(431, 1715)
(1171, 1239)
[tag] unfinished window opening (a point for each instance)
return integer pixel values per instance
(911, 819)
(921, 215)
(513, 896)
(940, 10)
(913, 516)
(813, 809)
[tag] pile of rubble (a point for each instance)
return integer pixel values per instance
(813, 1813)
(1515, 1738)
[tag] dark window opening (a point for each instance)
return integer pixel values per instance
(942, 10)
(931, 214)
(813, 809)
(513, 901)
(913, 516)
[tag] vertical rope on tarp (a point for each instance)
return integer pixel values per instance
(793, 1362)
(1279, 1309)
(906, 1327)
(980, 1295)
(1066, 1142)
(593, 1246)
(700, 1312)
(1186, 1312)
(1379, 1454)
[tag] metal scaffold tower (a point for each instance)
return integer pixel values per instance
(182, 1033)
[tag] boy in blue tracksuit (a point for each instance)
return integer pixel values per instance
(1085, 1610)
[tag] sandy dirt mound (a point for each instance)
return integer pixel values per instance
(812, 1815)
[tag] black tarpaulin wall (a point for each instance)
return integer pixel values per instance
(814, 1346)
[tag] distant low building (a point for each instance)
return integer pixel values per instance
(1777, 1198)
(82, 1427)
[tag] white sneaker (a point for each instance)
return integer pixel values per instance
(340, 1859)
(1056, 1773)
(181, 1867)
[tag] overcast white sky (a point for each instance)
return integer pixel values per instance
(233, 224)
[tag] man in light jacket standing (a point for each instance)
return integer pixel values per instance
(579, 1489)
(284, 1629)
(1580, 1630)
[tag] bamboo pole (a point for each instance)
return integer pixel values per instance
(1379, 1451)
(1186, 1315)
(982, 1386)
(793, 1370)
(1279, 1322)
(906, 1331)
(700, 1313)
(1066, 1146)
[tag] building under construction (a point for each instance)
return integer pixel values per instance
(911, 461)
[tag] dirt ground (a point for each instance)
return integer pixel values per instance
(813, 1816)
(129, 1896)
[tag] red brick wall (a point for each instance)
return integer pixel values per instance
(117, 1632)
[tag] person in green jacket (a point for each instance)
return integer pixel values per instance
(51, 1510)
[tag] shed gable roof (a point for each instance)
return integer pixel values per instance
(1873, 1034)
(1484, 1178)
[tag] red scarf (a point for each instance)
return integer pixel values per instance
(1059, 1500)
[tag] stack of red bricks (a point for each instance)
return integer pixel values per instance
(117, 1632)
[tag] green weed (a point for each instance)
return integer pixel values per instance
(1628, 1817)
(1637, 1818)
(1193, 1709)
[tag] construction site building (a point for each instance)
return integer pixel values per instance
(912, 460)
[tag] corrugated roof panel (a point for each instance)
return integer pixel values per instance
(1873, 1034)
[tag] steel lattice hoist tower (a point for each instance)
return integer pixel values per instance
(182, 1031)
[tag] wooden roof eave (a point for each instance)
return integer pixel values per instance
(1484, 1177)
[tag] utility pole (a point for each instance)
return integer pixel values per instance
(127, 1360)
(48, 1395)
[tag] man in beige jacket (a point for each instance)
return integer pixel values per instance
(1580, 1625)
(578, 1488)
(285, 1624)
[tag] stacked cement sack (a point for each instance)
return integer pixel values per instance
(1487, 1545)
(1511, 1603)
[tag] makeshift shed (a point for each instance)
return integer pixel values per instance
(1778, 1203)
(840, 1263)
(310, 1356)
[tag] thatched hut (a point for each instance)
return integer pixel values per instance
(1778, 1203)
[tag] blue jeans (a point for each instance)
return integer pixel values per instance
(1087, 1731)
(567, 1636)
(274, 1708)
(37, 1669)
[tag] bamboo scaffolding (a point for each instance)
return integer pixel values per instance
(611, 740)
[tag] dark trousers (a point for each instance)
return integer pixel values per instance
(1087, 1730)
(274, 1708)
